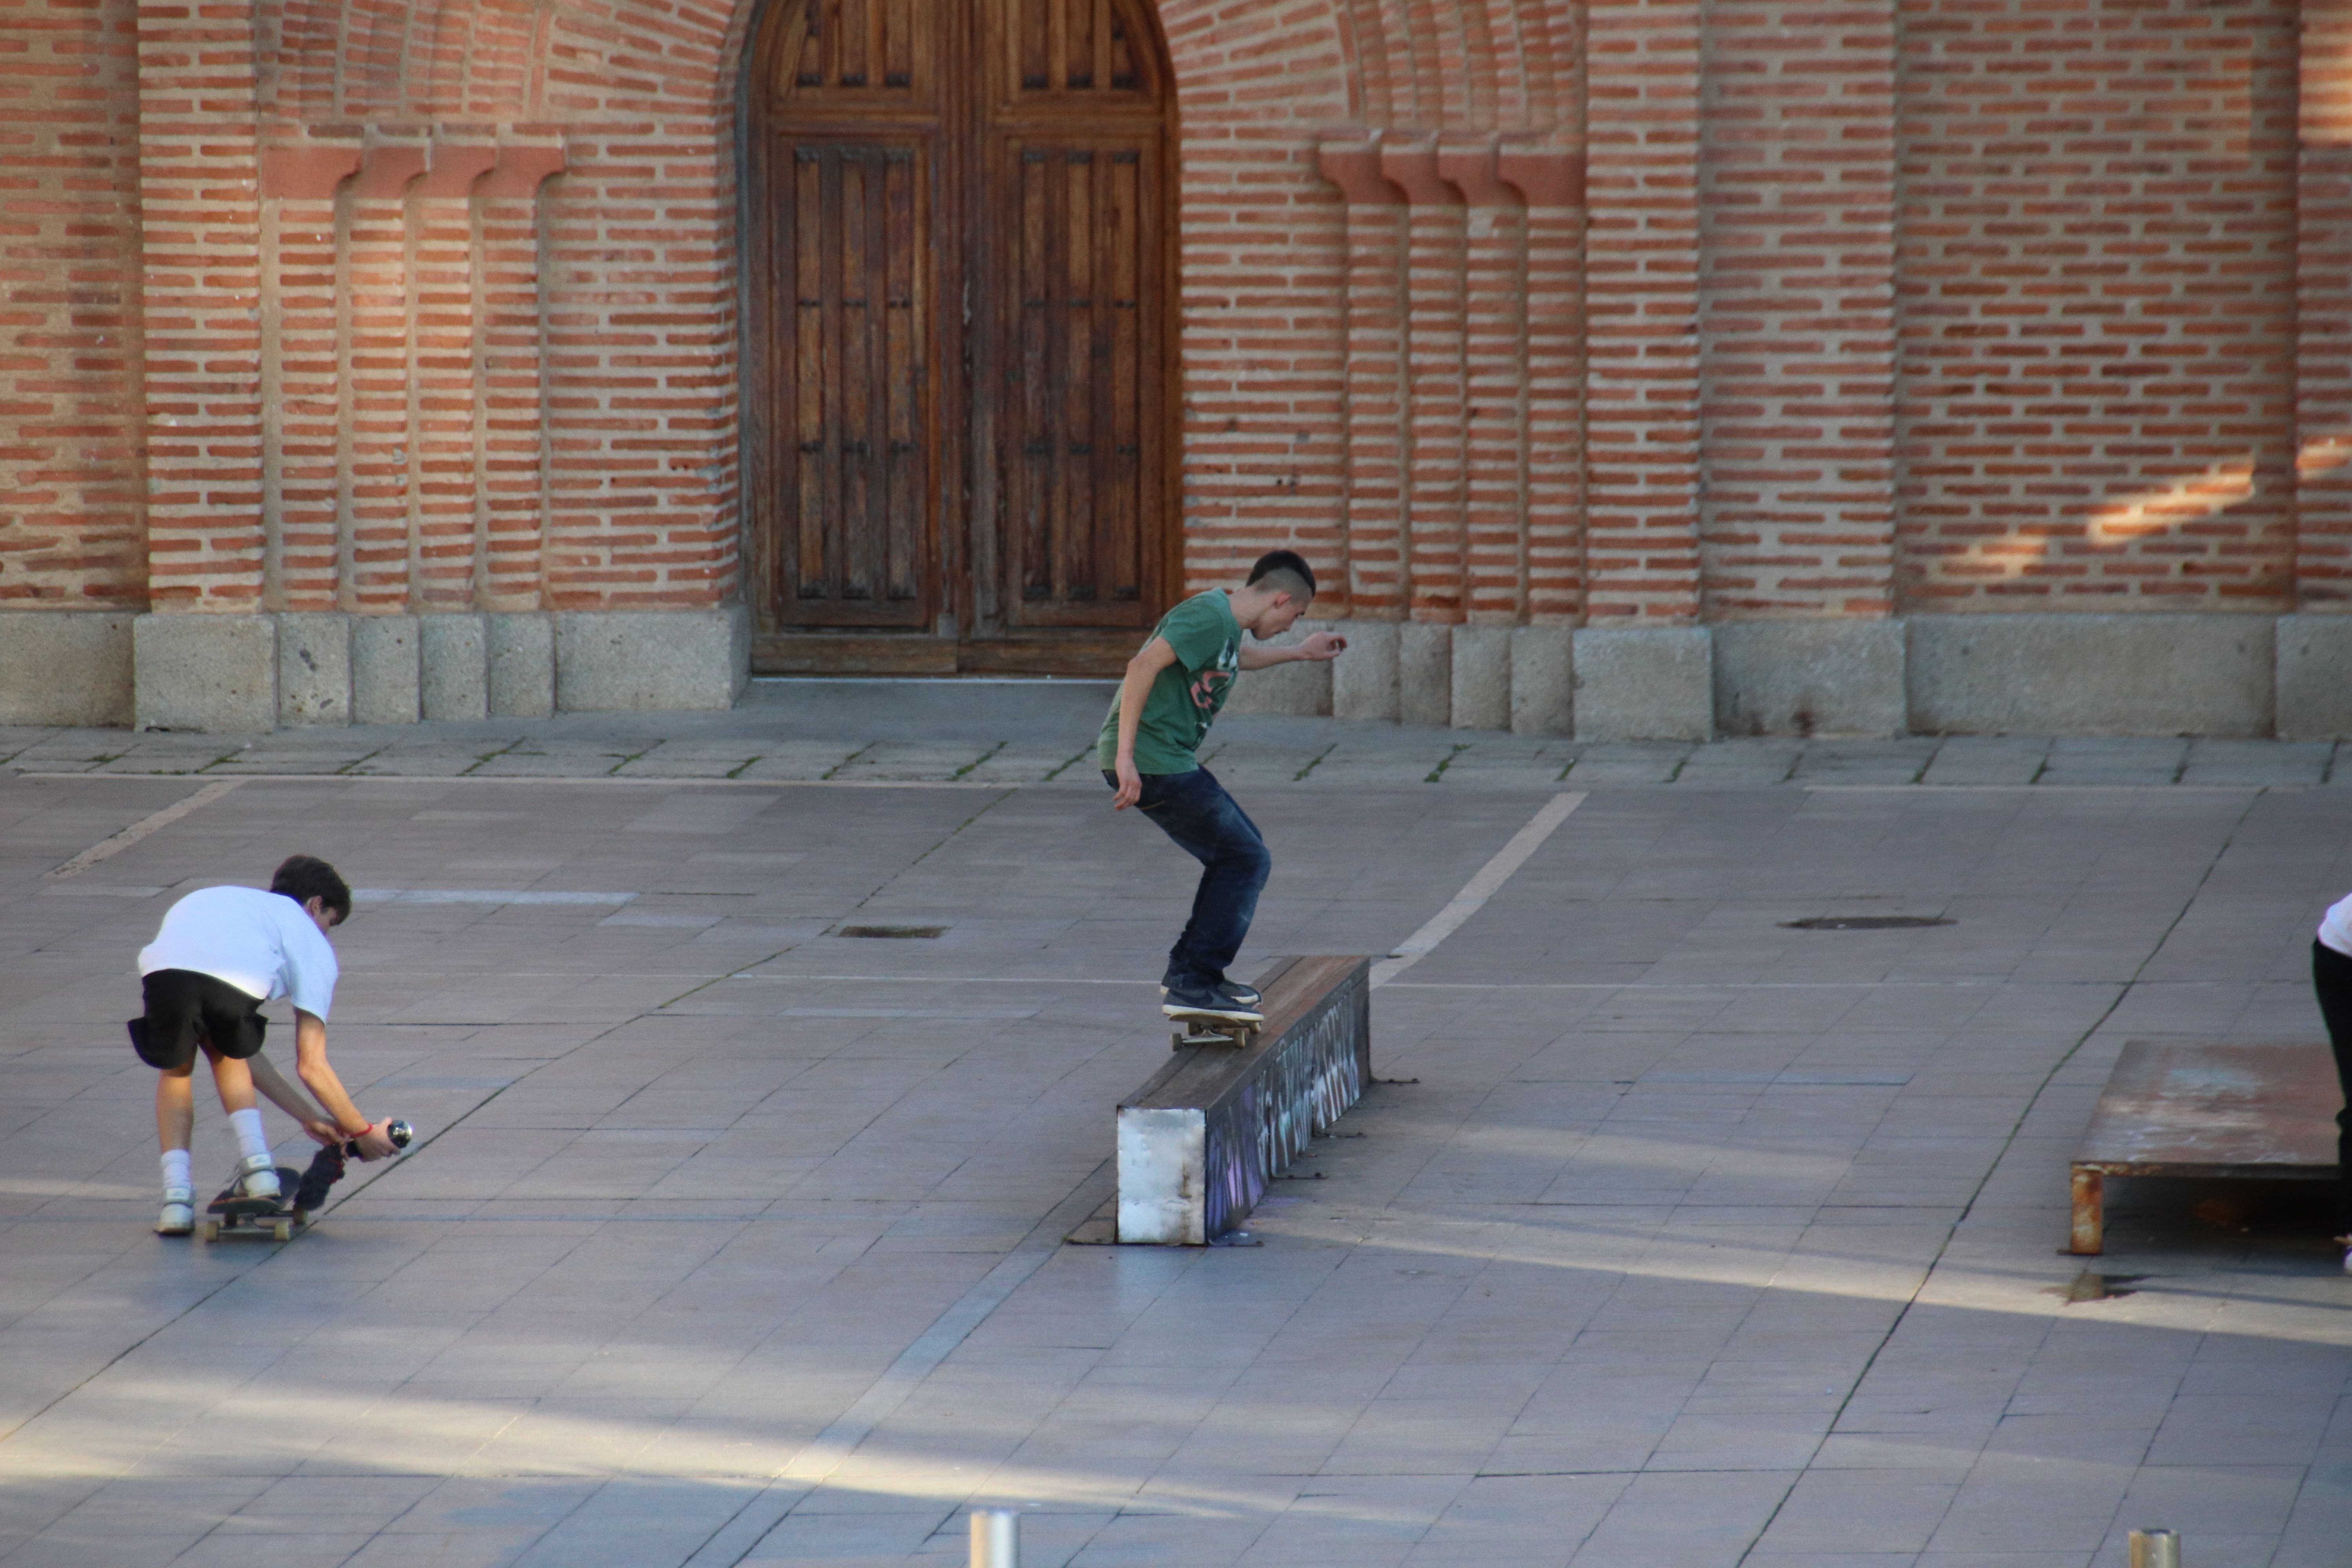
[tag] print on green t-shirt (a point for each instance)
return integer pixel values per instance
(1187, 694)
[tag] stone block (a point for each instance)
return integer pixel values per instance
(1543, 680)
(1424, 673)
(1644, 683)
(1303, 687)
(213, 674)
(2093, 674)
(387, 668)
(520, 655)
(1482, 678)
(2315, 678)
(65, 666)
(454, 674)
(1364, 679)
(1810, 677)
(619, 660)
(314, 669)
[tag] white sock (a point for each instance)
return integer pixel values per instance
(250, 1139)
(175, 1170)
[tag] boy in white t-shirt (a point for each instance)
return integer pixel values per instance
(220, 954)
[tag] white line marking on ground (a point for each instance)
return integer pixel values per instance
(638, 779)
(480, 896)
(155, 822)
(1479, 888)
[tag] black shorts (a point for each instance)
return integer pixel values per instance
(186, 1010)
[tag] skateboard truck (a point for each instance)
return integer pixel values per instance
(1205, 1029)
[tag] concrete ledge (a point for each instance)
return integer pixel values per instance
(618, 660)
(521, 666)
(211, 674)
(1199, 1142)
(1543, 680)
(1302, 689)
(454, 677)
(1364, 679)
(386, 669)
(2314, 677)
(1482, 678)
(1644, 683)
(314, 669)
(1424, 673)
(1810, 677)
(65, 666)
(2091, 675)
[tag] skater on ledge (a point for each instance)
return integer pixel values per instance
(1147, 748)
(220, 954)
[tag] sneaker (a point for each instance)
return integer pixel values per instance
(256, 1177)
(1232, 991)
(1204, 1002)
(179, 1215)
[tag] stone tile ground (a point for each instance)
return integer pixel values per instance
(1693, 1239)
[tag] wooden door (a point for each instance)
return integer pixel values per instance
(960, 254)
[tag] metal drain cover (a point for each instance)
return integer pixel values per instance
(1866, 922)
(900, 931)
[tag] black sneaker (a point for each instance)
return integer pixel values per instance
(1232, 991)
(1202, 1002)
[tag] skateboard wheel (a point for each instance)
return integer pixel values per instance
(282, 1230)
(212, 1230)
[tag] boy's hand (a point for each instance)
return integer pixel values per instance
(1130, 786)
(1322, 646)
(374, 1143)
(323, 1133)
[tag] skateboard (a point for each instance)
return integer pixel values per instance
(300, 1195)
(229, 1214)
(1208, 1029)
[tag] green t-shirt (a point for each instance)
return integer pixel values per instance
(1187, 694)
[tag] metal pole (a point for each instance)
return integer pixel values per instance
(996, 1537)
(2149, 1548)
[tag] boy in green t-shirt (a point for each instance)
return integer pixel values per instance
(1172, 691)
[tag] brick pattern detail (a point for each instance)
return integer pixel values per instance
(70, 392)
(1642, 312)
(1797, 310)
(2098, 269)
(2323, 564)
(1502, 310)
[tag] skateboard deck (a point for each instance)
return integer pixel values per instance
(275, 1218)
(1208, 1029)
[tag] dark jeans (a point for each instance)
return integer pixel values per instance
(2331, 978)
(1195, 811)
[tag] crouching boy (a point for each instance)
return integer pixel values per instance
(220, 954)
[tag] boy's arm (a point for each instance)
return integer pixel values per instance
(1320, 646)
(290, 1099)
(311, 1066)
(1134, 690)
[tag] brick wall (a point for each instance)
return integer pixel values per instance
(1628, 311)
(70, 432)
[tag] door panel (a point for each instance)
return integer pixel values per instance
(959, 320)
(1079, 428)
(853, 463)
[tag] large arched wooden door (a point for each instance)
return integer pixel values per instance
(959, 262)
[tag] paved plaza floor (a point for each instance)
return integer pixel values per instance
(1677, 1236)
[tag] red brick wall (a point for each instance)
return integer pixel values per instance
(70, 433)
(1627, 310)
(2098, 276)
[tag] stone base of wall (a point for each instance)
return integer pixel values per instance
(2289, 676)
(255, 673)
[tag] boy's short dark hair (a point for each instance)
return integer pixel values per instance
(1284, 564)
(303, 878)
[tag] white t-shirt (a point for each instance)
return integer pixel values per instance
(264, 944)
(2335, 926)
